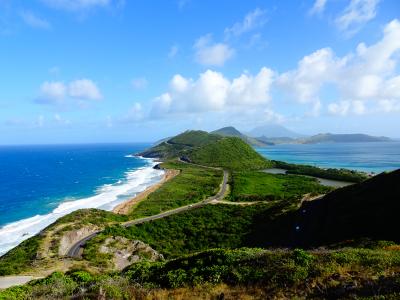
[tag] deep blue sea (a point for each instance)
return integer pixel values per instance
(39, 184)
(368, 157)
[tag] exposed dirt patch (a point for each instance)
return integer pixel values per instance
(126, 252)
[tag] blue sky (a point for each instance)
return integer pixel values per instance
(74, 71)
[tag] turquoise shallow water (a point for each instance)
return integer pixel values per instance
(369, 157)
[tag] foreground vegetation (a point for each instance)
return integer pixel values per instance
(335, 174)
(346, 273)
(260, 186)
(192, 185)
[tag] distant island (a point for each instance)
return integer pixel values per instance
(274, 138)
(268, 135)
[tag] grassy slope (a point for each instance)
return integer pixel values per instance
(348, 273)
(20, 258)
(181, 144)
(210, 149)
(256, 186)
(231, 153)
(194, 138)
(193, 184)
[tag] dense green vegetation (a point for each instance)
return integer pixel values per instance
(260, 186)
(165, 151)
(181, 145)
(210, 149)
(90, 216)
(335, 174)
(194, 138)
(222, 226)
(192, 185)
(230, 153)
(277, 269)
(20, 258)
(347, 273)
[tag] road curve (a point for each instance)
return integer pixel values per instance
(76, 250)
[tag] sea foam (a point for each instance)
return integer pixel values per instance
(106, 197)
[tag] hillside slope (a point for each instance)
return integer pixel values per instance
(180, 145)
(368, 209)
(209, 149)
(365, 210)
(230, 153)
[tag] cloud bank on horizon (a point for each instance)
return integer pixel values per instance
(104, 69)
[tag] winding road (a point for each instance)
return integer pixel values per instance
(76, 250)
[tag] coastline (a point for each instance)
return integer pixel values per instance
(105, 197)
(124, 207)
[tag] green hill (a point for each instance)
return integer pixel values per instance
(194, 138)
(180, 145)
(231, 153)
(233, 132)
(228, 131)
(209, 149)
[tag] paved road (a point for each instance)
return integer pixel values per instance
(9, 281)
(76, 250)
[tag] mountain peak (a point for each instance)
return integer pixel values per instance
(274, 131)
(228, 131)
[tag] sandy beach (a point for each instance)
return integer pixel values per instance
(125, 207)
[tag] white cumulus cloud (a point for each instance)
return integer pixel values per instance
(212, 91)
(313, 71)
(84, 89)
(366, 76)
(212, 54)
(52, 91)
(57, 92)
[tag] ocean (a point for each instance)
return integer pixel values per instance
(368, 157)
(39, 184)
